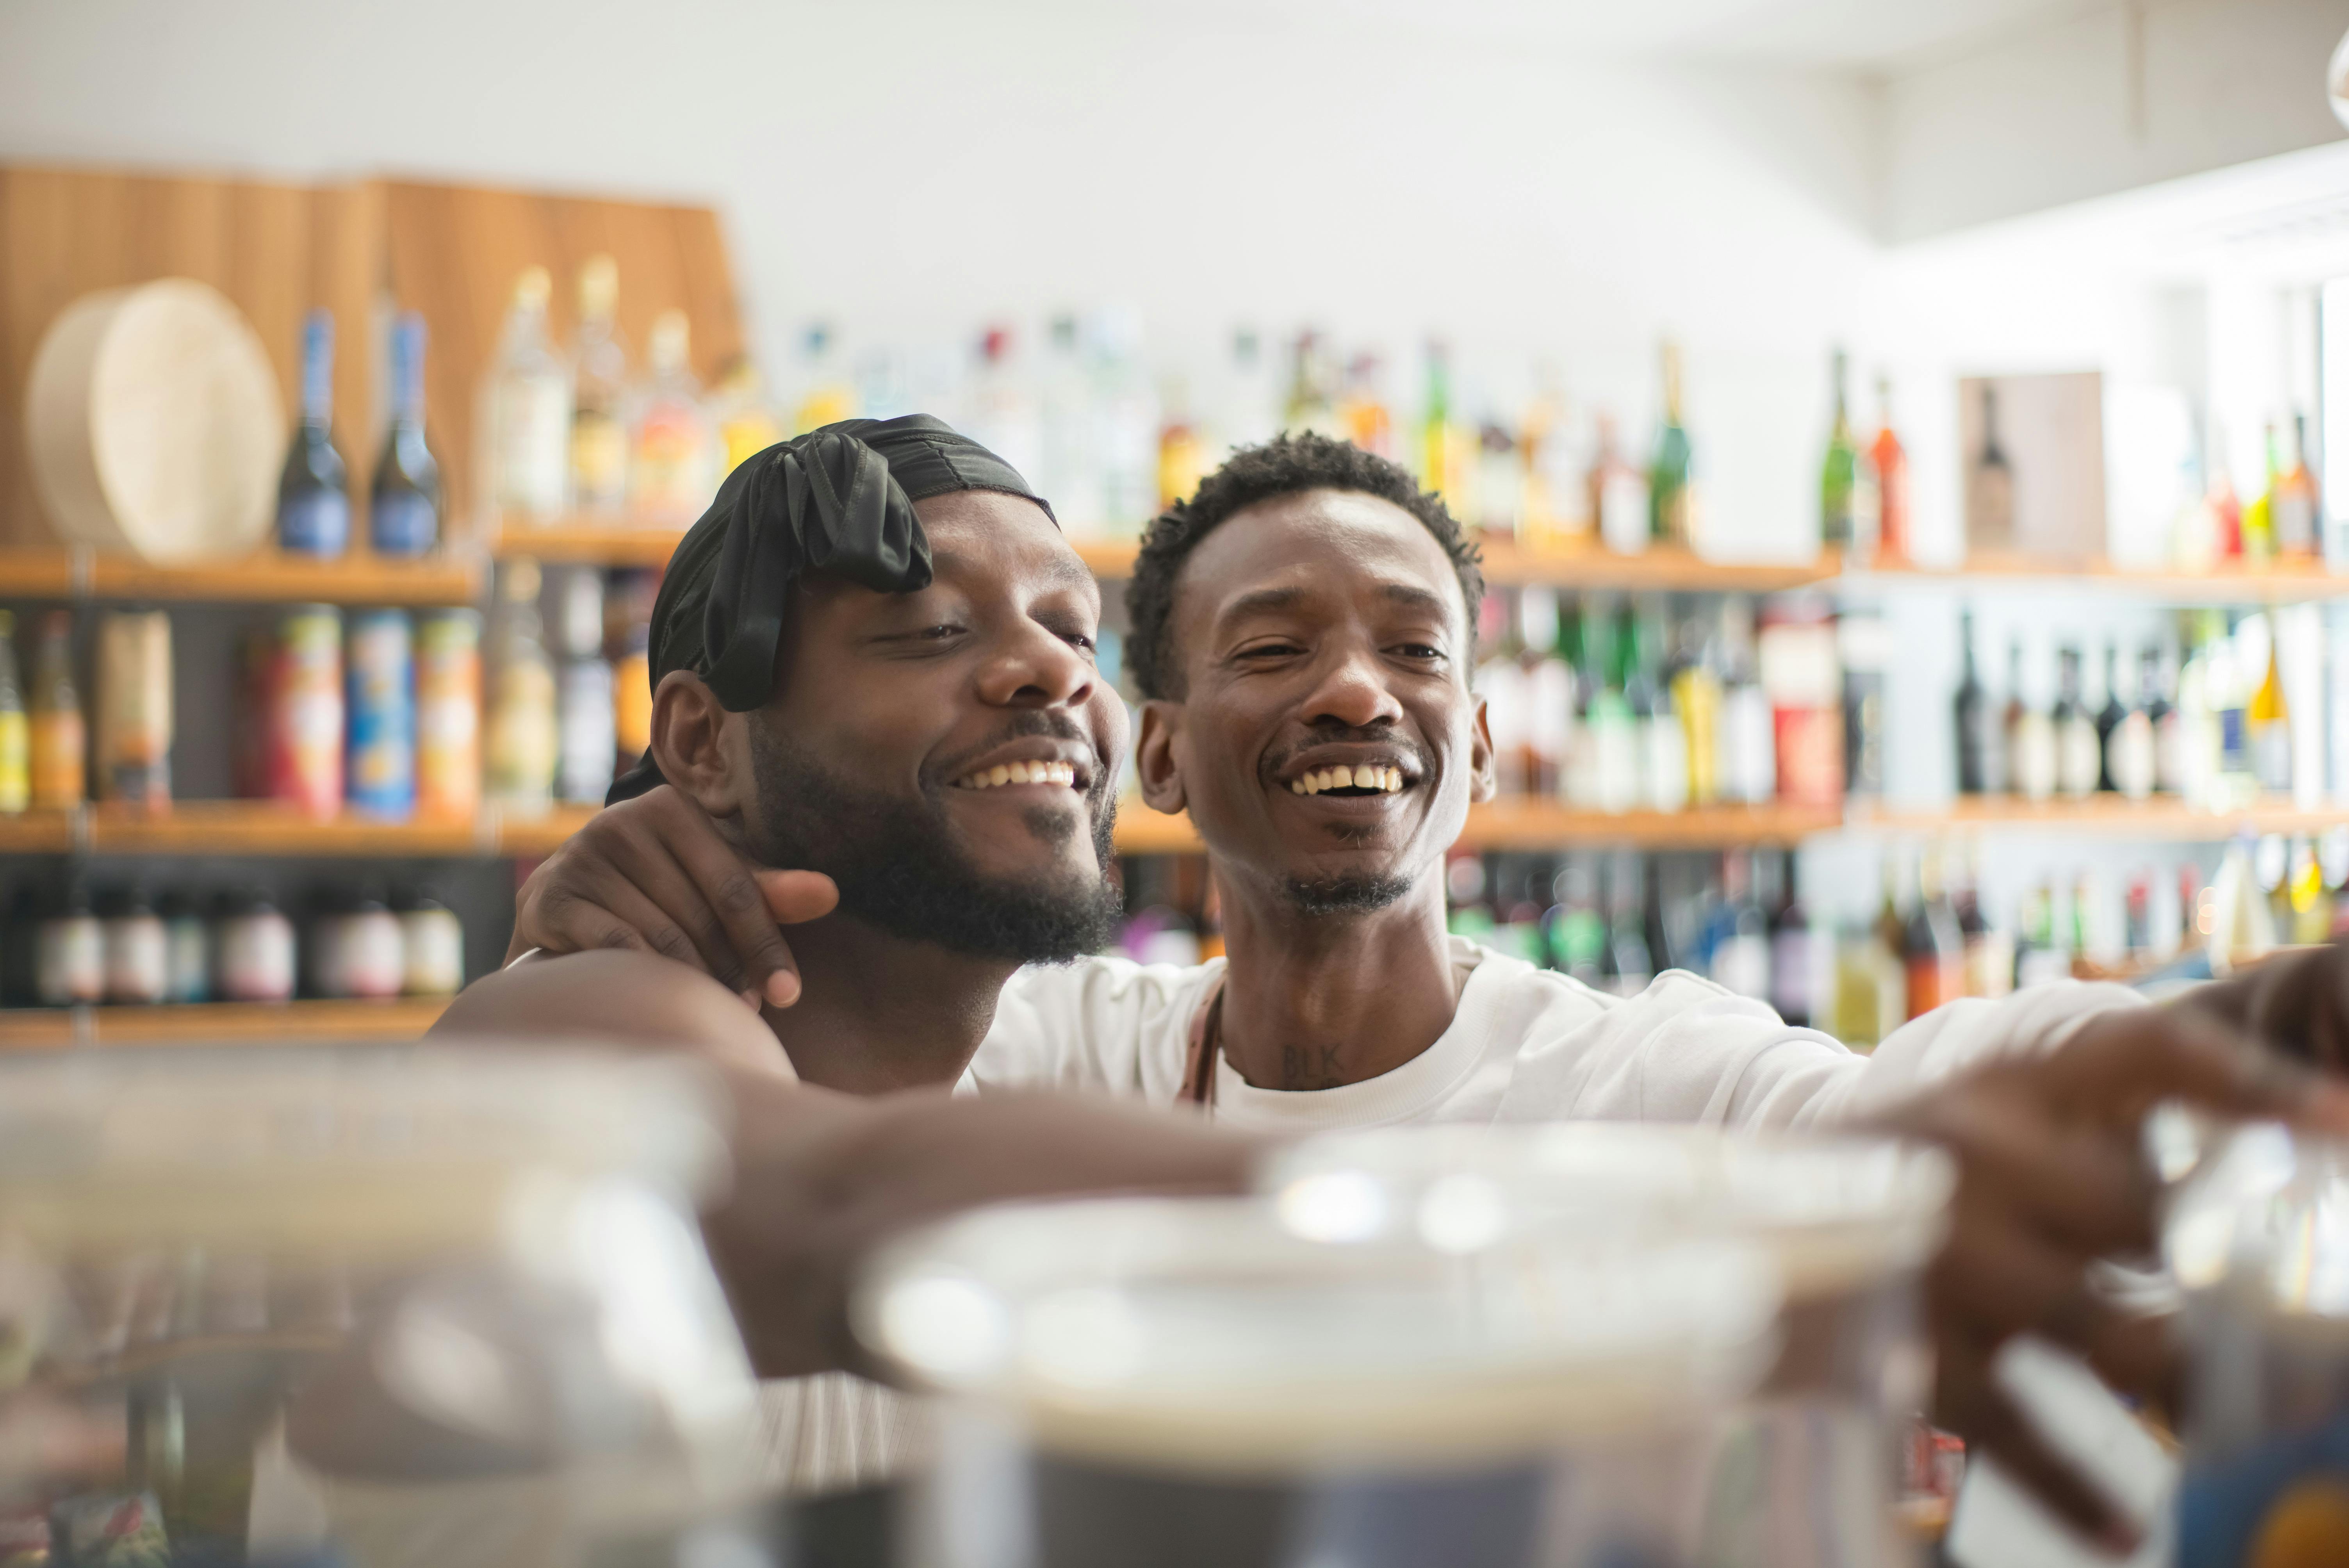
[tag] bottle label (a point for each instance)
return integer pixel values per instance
(2133, 761)
(59, 749)
(599, 461)
(2081, 758)
(669, 477)
(521, 738)
(403, 523)
(16, 761)
(532, 455)
(315, 523)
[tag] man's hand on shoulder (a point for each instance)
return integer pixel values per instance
(615, 997)
(654, 876)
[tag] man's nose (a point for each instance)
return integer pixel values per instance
(1352, 691)
(1037, 668)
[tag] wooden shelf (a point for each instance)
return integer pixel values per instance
(1540, 825)
(269, 828)
(589, 542)
(220, 1023)
(1110, 558)
(264, 578)
(2106, 816)
(1662, 569)
(37, 833)
(535, 836)
(2227, 582)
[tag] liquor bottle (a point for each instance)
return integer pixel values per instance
(2032, 769)
(1549, 691)
(1749, 746)
(1977, 729)
(522, 740)
(1582, 637)
(2228, 682)
(1500, 482)
(2293, 511)
(2259, 514)
(2108, 719)
(1551, 508)
(1889, 938)
(2163, 720)
(1442, 455)
(1248, 413)
(1126, 423)
(1182, 446)
(1308, 407)
(2225, 502)
(1618, 495)
(997, 412)
(59, 740)
(1863, 647)
(1890, 461)
(2133, 738)
(1741, 956)
(1990, 486)
(1933, 949)
(2268, 723)
(1697, 698)
(672, 448)
(826, 395)
(314, 502)
(1989, 952)
(16, 736)
(1578, 932)
(1839, 480)
(1362, 413)
(1663, 751)
(1672, 478)
(746, 425)
(526, 410)
(599, 425)
(1615, 730)
(1501, 682)
(2079, 759)
(1802, 957)
(1629, 965)
(404, 508)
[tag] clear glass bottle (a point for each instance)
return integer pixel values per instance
(522, 740)
(2079, 759)
(526, 413)
(673, 449)
(599, 427)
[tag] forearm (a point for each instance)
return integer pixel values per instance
(822, 1179)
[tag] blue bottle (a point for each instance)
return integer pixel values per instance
(314, 504)
(404, 509)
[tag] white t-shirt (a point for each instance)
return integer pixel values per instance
(1524, 1045)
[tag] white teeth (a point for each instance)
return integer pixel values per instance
(1394, 781)
(1297, 786)
(1061, 773)
(1365, 779)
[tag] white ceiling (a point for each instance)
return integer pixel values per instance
(1871, 36)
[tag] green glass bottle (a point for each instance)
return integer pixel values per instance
(1839, 481)
(1672, 501)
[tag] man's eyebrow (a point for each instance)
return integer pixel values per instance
(1411, 596)
(1260, 599)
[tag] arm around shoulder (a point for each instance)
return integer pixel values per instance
(615, 997)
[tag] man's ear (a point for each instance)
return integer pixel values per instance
(1154, 767)
(696, 748)
(1483, 785)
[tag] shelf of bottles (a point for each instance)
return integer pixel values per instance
(295, 1023)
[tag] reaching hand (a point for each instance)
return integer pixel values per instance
(2052, 1177)
(654, 874)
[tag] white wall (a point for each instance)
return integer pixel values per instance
(2126, 94)
(912, 168)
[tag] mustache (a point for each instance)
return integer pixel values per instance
(1393, 740)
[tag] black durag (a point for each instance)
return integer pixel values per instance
(839, 500)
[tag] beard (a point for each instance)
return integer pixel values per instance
(898, 866)
(1352, 892)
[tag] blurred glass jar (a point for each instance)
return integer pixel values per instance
(2257, 1241)
(1161, 1382)
(1806, 1472)
(391, 1307)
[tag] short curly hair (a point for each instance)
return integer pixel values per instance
(1282, 466)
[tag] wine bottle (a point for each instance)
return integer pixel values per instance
(2030, 759)
(1671, 496)
(2133, 744)
(1990, 489)
(2269, 723)
(599, 430)
(2163, 720)
(1976, 731)
(2293, 511)
(404, 508)
(314, 504)
(1839, 479)
(1933, 949)
(1890, 461)
(2079, 758)
(2108, 719)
